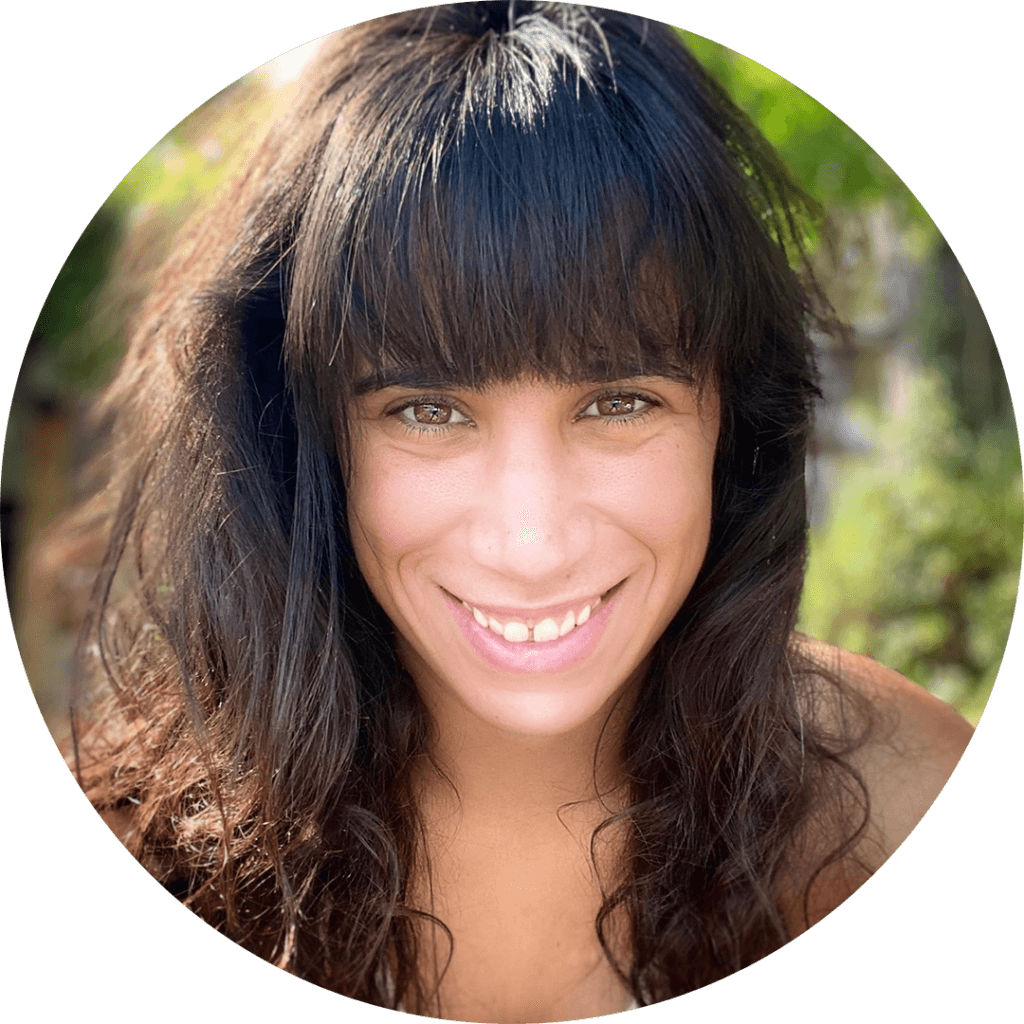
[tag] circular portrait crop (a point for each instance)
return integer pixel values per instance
(511, 512)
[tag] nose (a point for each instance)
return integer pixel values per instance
(529, 523)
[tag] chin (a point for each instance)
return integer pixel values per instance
(546, 710)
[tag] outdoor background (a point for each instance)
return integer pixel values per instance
(916, 492)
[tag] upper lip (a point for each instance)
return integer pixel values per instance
(531, 616)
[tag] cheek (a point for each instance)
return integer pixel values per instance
(661, 494)
(396, 507)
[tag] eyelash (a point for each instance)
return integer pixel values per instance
(420, 429)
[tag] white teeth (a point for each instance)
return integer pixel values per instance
(544, 631)
(516, 632)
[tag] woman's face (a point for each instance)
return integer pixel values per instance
(531, 541)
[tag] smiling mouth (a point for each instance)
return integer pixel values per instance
(520, 629)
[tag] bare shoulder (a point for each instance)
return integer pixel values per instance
(904, 764)
(911, 753)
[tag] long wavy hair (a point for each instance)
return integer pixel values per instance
(471, 192)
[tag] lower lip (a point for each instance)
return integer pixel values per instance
(527, 656)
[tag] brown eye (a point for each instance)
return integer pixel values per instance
(431, 412)
(622, 405)
(427, 414)
(616, 405)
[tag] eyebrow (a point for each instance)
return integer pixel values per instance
(416, 377)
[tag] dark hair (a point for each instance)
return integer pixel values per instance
(476, 192)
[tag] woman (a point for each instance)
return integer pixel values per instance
(443, 654)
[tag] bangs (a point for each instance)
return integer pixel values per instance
(473, 293)
(507, 205)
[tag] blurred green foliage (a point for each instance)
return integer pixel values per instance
(918, 563)
(830, 160)
(71, 349)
